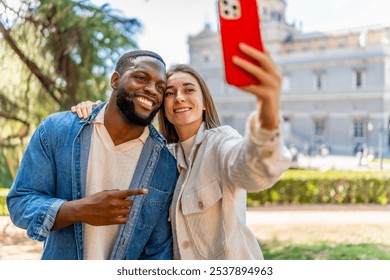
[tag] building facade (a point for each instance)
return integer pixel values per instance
(336, 85)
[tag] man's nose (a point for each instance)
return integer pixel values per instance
(151, 89)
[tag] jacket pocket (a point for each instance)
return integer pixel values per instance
(202, 210)
(156, 197)
(152, 209)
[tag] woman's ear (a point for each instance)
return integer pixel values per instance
(115, 77)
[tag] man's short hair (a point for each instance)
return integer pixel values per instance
(128, 57)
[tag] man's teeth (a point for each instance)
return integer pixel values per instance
(145, 101)
(182, 110)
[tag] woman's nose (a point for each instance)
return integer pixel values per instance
(179, 97)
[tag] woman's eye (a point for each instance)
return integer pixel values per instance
(168, 93)
(190, 90)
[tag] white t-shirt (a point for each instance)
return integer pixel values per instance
(109, 167)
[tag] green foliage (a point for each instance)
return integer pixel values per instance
(54, 53)
(279, 251)
(84, 42)
(9, 162)
(5, 174)
(3, 205)
(75, 45)
(316, 187)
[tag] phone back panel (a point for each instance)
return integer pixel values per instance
(238, 22)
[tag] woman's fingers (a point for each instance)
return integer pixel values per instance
(268, 84)
(265, 71)
(268, 88)
(84, 109)
(249, 67)
(263, 58)
(97, 102)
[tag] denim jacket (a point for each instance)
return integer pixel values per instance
(53, 170)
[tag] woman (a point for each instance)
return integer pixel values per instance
(217, 165)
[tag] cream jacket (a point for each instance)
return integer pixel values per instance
(209, 206)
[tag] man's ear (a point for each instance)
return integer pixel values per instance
(115, 77)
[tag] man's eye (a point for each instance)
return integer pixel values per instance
(140, 78)
(161, 88)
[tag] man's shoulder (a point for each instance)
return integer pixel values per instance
(62, 123)
(63, 118)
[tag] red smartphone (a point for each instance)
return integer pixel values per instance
(239, 22)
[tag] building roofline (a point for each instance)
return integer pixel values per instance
(339, 32)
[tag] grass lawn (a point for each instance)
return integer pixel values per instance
(348, 232)
(274, 250)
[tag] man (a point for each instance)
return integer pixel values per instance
(79, 179)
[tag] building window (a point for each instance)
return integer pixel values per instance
(358, 129)
(358, 78)
(286, 127)
(205, 56)
(278, 17)
(319, 127)
(318, 81)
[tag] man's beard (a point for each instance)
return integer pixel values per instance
(124, 100)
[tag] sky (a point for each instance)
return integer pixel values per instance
(167, 24)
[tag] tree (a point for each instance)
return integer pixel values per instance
(54, 53)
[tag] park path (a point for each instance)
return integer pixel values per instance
(316, 224)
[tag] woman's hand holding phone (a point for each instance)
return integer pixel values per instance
(267, 91)
(247, 66)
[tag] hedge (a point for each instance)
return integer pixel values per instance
(316, 187)
(313, 187)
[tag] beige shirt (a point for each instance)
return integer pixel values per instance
(109, 167)
(208, 210)
(178, 223)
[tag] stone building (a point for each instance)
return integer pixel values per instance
(336, 85)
